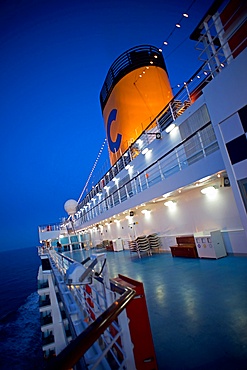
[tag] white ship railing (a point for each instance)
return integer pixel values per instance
(112, 349)
(195, 147)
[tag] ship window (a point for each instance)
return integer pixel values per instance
(45, 264)
(243, 189)
(243, 117)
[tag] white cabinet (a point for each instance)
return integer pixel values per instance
(117, 245)
(210, 245)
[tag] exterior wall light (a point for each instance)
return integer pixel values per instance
(170, 128)
(146, 211)
(170, 204)
(166, 195)
(210, 190)
(144, 151)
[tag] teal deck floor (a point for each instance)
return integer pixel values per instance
(197, 308)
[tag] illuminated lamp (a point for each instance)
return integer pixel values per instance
(146, 211)
(144, 151)
(170, 204)
(166, 195)
(210, 190)
(204, 179)
(170, 128)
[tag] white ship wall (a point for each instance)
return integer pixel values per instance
(193, 212)
(224, 97)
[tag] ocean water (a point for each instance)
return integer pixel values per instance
(20, 334)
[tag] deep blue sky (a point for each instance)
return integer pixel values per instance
(54, 56)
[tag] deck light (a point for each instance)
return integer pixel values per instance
(144, 151)
(210, 190)
(146, 211)
(166, 195)
(170, 204)
(170, 128)
(204, 179)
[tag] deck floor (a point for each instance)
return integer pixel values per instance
(197, 308)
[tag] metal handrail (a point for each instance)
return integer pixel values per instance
(86, 214)
(128, 62)
(74, 351)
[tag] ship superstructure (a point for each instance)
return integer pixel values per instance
(185, 172)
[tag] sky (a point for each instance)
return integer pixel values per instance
(54, 57)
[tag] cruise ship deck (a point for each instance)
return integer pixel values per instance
(197, 307)
(177, 186)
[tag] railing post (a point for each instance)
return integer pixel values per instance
(179, 163)
(140, 183)
(146, 179)
(201, 143)
(211, 44)
(161, 173)
(187, 90)
(172, 113)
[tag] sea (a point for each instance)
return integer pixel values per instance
(20, 334)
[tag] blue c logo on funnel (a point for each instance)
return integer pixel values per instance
(113, 145)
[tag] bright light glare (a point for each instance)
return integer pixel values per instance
(210, 190)
(170, 128)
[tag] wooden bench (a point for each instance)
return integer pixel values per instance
(185, 247)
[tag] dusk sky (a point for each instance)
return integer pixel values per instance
(54, 57)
